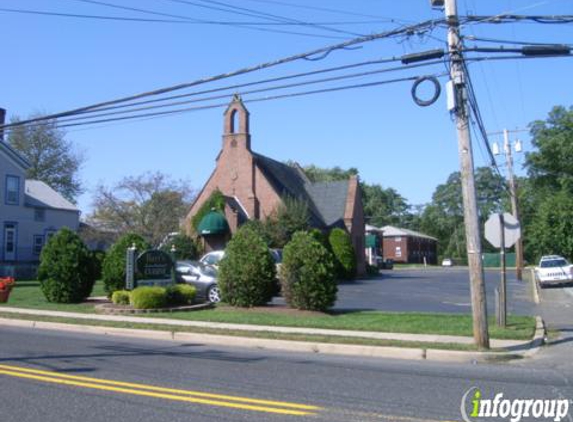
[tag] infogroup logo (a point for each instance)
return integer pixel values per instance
(513, 410)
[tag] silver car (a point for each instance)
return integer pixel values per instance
(203, 277)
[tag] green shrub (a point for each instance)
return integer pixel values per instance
(120, 297)
(113, 269)
(185, 247)
(307, 274)
(148, 297)
(66, 270)
(181, 294)
(247, 272)
(97, 263)
(344, 256)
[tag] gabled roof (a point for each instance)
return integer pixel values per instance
(14, 155)
(326, 200)
(39, 194)
(391, 231)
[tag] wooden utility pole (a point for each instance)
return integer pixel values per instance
(514, 204)
(473, 241)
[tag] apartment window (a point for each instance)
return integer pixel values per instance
(39, 214)
(12, 190)
(398, 253)
(38, 244)
(397, 239)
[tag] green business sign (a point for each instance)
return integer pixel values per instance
(154, 267)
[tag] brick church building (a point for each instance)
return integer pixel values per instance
(254, 185)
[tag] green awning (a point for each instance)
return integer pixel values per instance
(213, 223)
(372, 241)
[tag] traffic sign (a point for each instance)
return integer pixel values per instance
(512, 230)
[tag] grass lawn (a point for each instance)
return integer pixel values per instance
(27, 294)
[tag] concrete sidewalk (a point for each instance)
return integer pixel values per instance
(425, 338)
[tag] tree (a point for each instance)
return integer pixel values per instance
(291, 216)
(66, 271)
(150, 205)
(53, 159)
(247, 273)
(551, 167)
(385, 206)
(319, 174)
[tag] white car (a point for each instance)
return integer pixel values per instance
(447, 262)
(553, 269)
(212, 258)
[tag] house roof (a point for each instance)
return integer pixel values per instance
(39, 194)
(326, 200)
(14, 155)
(391, 231)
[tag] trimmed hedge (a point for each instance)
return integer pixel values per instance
(181, 294)
(247, 273)
(113, 268)
(120, 297)
(307, 274)
(148, 297)
(66, 271)
(343, 251)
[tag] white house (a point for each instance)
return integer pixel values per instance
(30, 212)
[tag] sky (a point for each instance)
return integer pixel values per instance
(57, 63)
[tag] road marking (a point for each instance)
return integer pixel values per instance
(243, 403)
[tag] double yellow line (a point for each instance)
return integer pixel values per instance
(189, 396)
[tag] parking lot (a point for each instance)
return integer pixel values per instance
(430, 290)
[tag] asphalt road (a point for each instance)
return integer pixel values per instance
(339, 389)
(432, 290)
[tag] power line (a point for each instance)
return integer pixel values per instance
(243, 71)
(254, 91)
(253, 13)
(253, 100)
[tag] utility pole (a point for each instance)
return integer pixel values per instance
(473, 241)
(514, 204)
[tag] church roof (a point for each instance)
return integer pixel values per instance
(326, 200)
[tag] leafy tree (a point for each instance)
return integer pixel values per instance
(150, 205)
(66, 270)
(385, 206)
(113, 268)
(247, 273)
(53, 159)
(318, 174)
(343, 252)
(307, 274)
(292, 215)
(551, 231)
(551, 167)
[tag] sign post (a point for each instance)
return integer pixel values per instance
(502, 231)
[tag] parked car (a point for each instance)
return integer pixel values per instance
(447, 262)
(277, 255)
(385, 264)
(212, 258)
(553, 269)
(203, 277)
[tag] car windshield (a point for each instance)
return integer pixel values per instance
(208, 270)
(551, 263)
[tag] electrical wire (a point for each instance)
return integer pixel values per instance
(243, 71)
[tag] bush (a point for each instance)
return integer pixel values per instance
(66, 270)
(185, 247)
(97, 262)
(113, 271)
(307, 274)
(181, 294)
(120, 297)
(247, 272)
(148, 297)
(344, 256)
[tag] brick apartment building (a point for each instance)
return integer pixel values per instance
(408, 246)
(254, 185)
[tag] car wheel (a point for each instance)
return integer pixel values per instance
(214, 294)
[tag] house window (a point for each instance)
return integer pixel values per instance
(397, 239)
(398, 253)
(39, 214)
(12, 190)
(38, 244)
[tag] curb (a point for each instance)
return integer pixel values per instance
(295, 346)
(535, 287)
